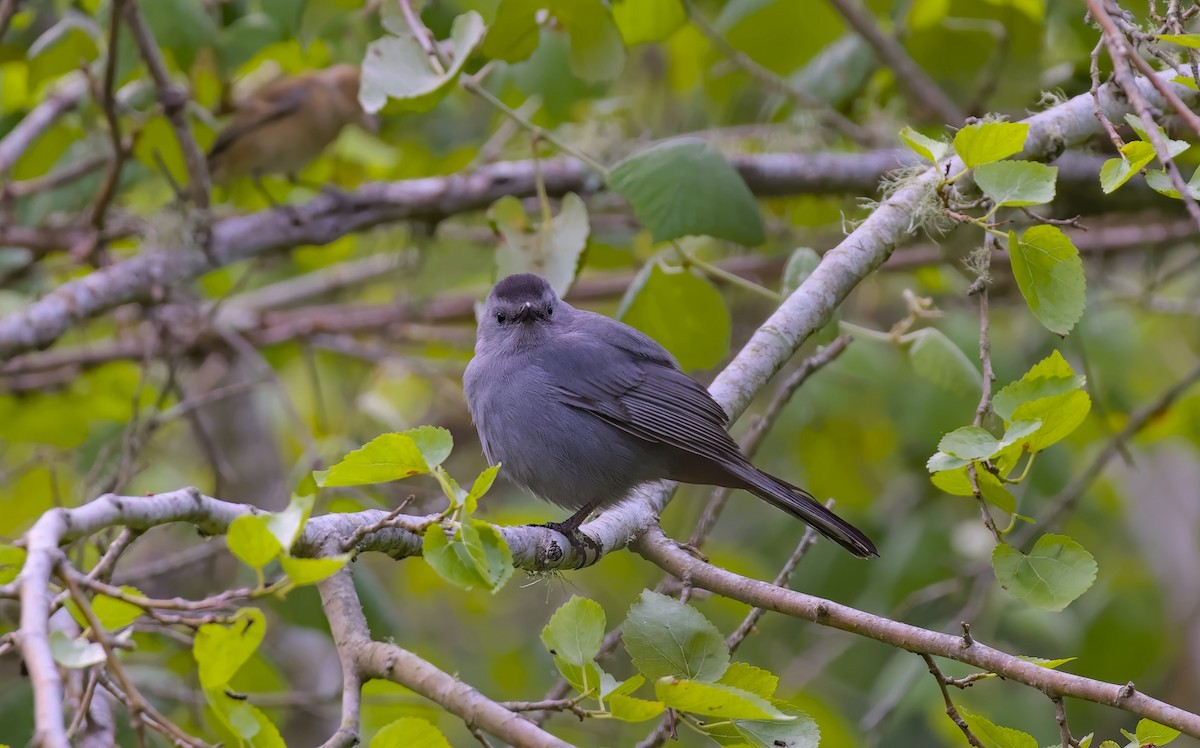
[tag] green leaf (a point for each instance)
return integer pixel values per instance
(1161, 183)
(957, 483)
(182, 27)
(1117, 171)
(69, 43)
(993, 736)
(597, 51)
(587, 679)
(75, 653)
(244, 38)
(390, 457)
(1035, 10)
(633, 709)
(513, 35)
(475, 556)
(801, 732)
(975, 443)
(1047, 663)
(575, 631)
(12, 559)
(409, 732)
(923, 14)
(941, 462)
(286, 525)
(1152, 733)
(551, 250)
(304, 571)
(250, 539)
(220, 649)
(682, 311)
(801, 263)
(1059, 415)
(1174, 147)
(990, 141)
(1050, 376)
(714, 700)
(483, 483)
(1187, 81)
(114, 613)
(396, 67)
(716, 202)
(625, 687)
(245, 720)
(936, 359)
(497, 563)
(750, 678)
(665, 637)
(451, 558)
(1056, 572)
(1183, 40)
(969, 443)
(924, 146)
(1017, 183)
(1048, 271)
(648, 20)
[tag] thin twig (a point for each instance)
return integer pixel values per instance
(951, 710)
(1120, 54)
(766, 76)
(1060, 716)
(985, 399)
(559, 705)
(174, 102)
(909, 75)
(747, 625)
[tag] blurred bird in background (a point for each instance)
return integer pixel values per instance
(286, 124)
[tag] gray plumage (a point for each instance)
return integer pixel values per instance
(581, 408)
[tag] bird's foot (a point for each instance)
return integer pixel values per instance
(581, 542)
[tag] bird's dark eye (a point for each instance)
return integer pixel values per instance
(501, 319)
(549, 311)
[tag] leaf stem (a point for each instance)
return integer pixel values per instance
(714, 271)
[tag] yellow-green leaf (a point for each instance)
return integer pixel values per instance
(714, 700)
(409, 732)
(250, 539)
(1048, 271)
(221, 649)
(990, 141)
(1055, 572)
(390, 457)
(304, 571)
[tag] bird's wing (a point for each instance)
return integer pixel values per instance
(267, 106)
(639, 389)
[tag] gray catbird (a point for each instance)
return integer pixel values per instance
(581, 408)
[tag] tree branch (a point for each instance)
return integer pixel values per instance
(329, 217)
(365, 658)
(65, 98)
(665, 553)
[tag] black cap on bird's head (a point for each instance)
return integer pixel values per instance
(521, 298)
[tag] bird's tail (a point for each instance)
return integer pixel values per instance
(801, 505)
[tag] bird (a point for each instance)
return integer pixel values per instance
(287, 123)
(579, 409)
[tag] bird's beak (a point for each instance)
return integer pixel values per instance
(526, 312)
